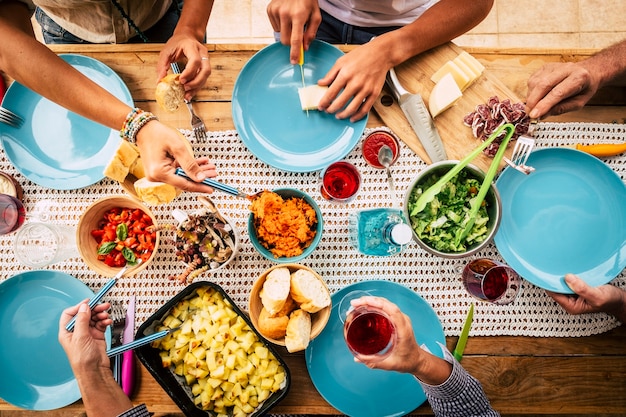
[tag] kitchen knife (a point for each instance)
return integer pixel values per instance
(419, 118)
(460, 344)
(601, 149)
(128, 358)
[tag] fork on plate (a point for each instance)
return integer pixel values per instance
(524, 145)
(10, 118)
(197, 125)
(118, 315)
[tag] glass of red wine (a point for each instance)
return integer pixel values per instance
(12, 214)
(340, 181)
(492, 281)
(368, 331)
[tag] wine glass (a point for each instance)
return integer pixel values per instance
(492, 281)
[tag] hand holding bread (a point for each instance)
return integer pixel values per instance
(293, 306)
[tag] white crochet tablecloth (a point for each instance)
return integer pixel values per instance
(435, 279)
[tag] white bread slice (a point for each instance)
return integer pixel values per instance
(298, 331)
(275, 290)
(311, 95)
(137, 169)
(308, 291)
(124, 157)
(155, 193)
(170, 93)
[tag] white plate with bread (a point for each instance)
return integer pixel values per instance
(289, 305)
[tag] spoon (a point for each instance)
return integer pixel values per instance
(385, 157)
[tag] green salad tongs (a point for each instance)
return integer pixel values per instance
(428, 195)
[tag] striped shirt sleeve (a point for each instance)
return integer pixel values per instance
(137, 411)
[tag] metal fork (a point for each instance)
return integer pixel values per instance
(197, 125)
(523, 147)
(10, 118)
(118, 315)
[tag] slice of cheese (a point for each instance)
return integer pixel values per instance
(473, 75)
(311, 95)
(445, 93)
(461, 77)
(472, 62)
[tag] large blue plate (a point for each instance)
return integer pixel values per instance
(56, 148)
(567, 216)
(35, 373)
(351, 387)
(270, 121)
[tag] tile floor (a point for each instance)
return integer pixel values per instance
(511, 24)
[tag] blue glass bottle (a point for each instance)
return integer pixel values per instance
(379, 231)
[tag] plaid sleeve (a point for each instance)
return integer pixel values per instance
(461, 395)
(137, 411)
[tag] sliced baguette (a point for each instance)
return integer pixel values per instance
(298, 331)
(170, 93)
(275, 290)
(155, 193)
(308, 291)
(273, 327)
(124, 157)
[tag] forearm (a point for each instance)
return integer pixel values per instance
(443, 22)
(53, 78)
(194, 18)
(609, 64)
(101, 395)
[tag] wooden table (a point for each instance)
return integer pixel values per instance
(521, 375)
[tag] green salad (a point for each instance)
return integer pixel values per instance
(442, 221)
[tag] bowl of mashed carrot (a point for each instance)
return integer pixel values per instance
(285, 225)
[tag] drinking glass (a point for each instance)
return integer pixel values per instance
(41, 244)
(368, 331)
(340, 181)
(492, 281)
(12, 214)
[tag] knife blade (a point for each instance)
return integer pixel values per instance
(128, 358)
(600, 149)
(460, 344)
(419, 118)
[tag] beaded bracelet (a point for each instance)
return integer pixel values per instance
(135, 120)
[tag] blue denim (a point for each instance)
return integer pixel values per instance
(333, 30)
(159, 33)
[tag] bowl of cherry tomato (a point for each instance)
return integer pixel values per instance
(115, 232)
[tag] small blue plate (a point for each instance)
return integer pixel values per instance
(356, 390)
(270, 121)
(35, 373)
(567, 216)
(56, 148)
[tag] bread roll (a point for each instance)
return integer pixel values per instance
(298, 331)
(137, 169)
(169, 92)
(275, 290)
(308, 291)
(155, 193)
(124, 157)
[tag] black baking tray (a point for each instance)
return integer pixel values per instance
(174, 385)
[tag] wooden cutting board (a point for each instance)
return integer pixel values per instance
(458, 140)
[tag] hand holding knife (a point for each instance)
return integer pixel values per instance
(128, 357)
(460, 344)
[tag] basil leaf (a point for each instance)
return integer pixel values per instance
(129, 255)
(106, 248)
(121, 231)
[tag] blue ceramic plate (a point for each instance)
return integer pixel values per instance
(35, 373)
(567, 216)
(269, 119)
(56, 148)
(351, 387)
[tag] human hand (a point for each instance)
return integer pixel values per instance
(558, 88)
(297, 21)
(605, 298)
(85, 347)
(163, 149)
(361, 75)
(198, 67)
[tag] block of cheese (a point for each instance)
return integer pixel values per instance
(445, 93)
(311, 95)
(462, 79)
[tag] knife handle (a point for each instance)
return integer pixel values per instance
(128, 372)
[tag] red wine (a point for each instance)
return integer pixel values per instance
(12, 214)
(341, 181)
(368, 333)
(490, 280)
(495, 283)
